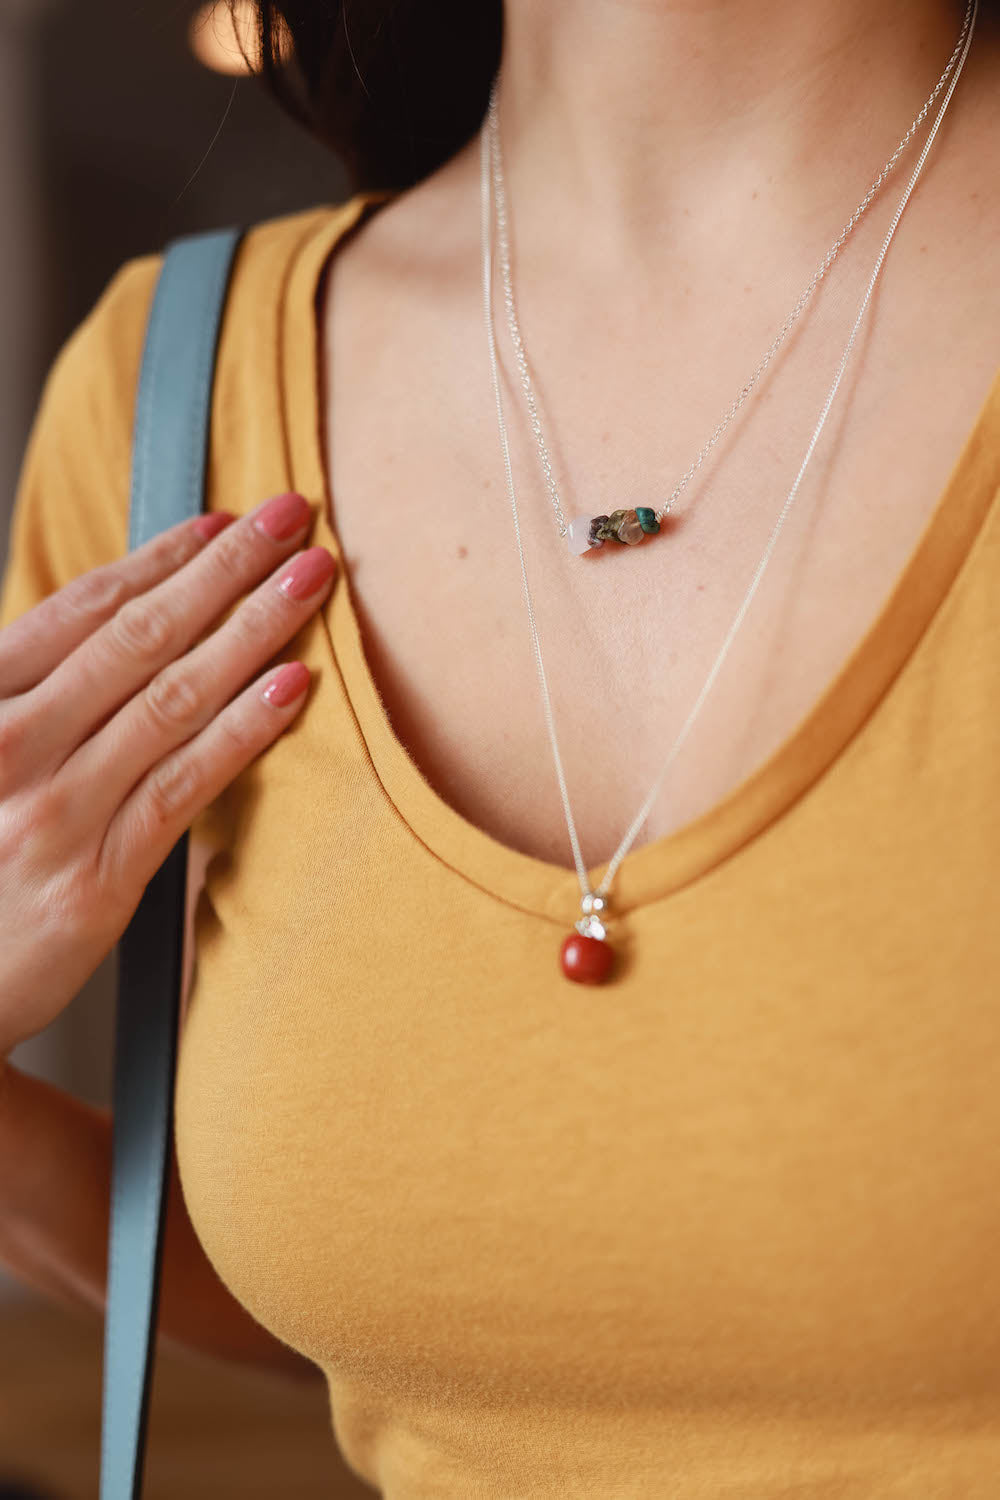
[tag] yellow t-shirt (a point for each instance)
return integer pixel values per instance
(727, 1225)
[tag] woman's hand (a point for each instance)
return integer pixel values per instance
(114, 735)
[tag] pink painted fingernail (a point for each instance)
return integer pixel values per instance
(282, 516)
(306, 573)
(287, 684)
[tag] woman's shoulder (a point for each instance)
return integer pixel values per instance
(116, 321)
(110, 335)
(96, 370)
(70, 510)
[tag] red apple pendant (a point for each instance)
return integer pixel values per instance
(586, 955)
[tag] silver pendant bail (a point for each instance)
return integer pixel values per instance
(593, 908)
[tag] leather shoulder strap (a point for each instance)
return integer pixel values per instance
(170, 443)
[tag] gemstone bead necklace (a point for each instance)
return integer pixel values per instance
(586, 956)
(630, 525)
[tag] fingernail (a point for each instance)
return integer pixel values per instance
(306, 573)
(208, 526)
(282, 516)
(289, 683)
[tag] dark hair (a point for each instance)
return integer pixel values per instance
(393, 87)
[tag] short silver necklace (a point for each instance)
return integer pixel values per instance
(630, 525)
(586, 955)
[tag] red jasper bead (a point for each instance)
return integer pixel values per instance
(588, 960)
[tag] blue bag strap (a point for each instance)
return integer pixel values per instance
(169, 454)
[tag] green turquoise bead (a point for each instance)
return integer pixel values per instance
(647, 518)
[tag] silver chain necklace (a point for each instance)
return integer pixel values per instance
(586, 956)
(630, 525)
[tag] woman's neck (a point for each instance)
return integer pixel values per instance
(644, 118)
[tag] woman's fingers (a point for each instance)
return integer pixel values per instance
(32, 645)
(186, 695)
(153, 627)
(108, 756)
(179, 786)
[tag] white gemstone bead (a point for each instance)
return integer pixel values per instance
(578, 535)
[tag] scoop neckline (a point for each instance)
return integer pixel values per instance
(813, 747)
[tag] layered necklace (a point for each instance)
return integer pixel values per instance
(586, 954)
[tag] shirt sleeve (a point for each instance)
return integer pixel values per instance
(71, 502)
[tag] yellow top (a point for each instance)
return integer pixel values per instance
(726, 1226)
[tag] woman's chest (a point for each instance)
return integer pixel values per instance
(422, 1157)
(724, 631)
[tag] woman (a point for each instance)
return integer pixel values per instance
(725, 1222)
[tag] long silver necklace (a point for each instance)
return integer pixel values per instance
(586, 955)
(631, 524)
